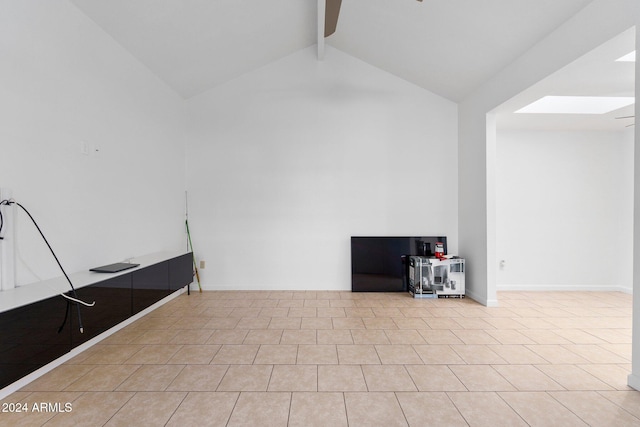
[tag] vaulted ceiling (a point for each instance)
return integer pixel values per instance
(449, 47)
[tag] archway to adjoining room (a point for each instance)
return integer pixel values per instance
(561, 182)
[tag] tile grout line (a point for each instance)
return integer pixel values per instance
(512, 408)
(624, 409)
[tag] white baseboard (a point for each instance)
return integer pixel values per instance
(257, 287)
(481, 299)
(634, 381)
(563, 288)
(13, 387)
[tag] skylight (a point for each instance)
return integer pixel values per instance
(577, 104)
(629, 57)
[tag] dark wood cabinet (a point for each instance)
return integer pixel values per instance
(112, 299)
(37, 333)
(180, 271)
(149, 286)
(30, 338)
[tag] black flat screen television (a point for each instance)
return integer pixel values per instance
(378, 263)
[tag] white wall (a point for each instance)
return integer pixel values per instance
(64, 81)
(289, 161)
(564, 204)
(598, 22)
(634, 377)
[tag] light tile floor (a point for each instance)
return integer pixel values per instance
(356, 359)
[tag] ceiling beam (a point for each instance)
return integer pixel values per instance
(331, 14)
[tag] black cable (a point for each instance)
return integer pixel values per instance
(10, 202)
(6, 203)
(67, 310)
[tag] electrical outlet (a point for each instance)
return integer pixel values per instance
(202, 264)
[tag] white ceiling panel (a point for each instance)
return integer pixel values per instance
(449, 47)
(194, 45)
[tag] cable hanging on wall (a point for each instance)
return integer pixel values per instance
(75, 299)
